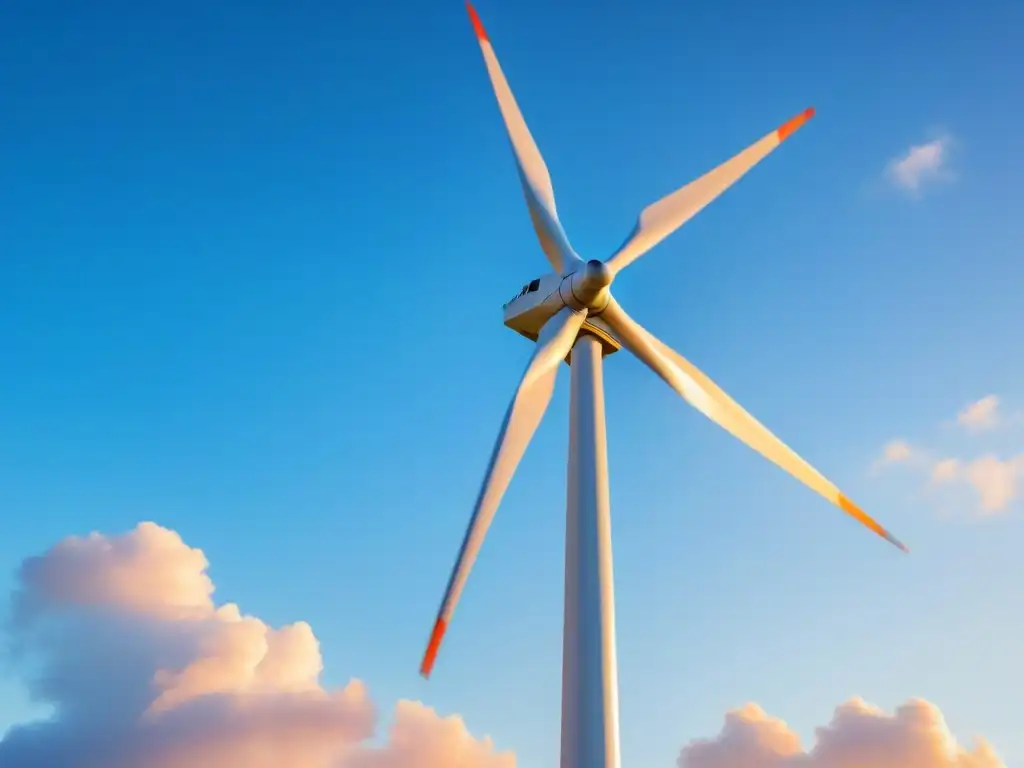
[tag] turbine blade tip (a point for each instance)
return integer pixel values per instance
(478, 26)
(860, 516)
(440, 626)
(790, 127)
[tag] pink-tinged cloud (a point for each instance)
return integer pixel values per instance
(920, 165)
(945, 471)
(995, 481)
(143, 670)
(859, 736)
(981, 414)
(420, 739)
(896, 451)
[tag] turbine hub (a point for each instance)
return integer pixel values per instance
(596, 274)
(588, 286)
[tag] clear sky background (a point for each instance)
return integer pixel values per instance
(252, 262)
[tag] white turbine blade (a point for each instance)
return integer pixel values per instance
(533, 173)
(708, 398)
(521, 420)
(659, 220)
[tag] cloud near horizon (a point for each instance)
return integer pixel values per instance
(859, 736)
(143, 670)
(920, 165)
(995, 481)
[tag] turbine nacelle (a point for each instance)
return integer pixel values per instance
(585, 288)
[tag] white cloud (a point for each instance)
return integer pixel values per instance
(981, 414)
(859, 736)
(919, 165)
(995, 480)
(143, 670)
(896, 451)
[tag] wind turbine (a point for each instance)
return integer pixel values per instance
(571, 315)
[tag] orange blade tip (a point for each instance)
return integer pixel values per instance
(435, 643)
(860, 516)
(478, 26)
(790, 127)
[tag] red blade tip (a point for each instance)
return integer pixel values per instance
(435, 643)
(790, 127)
(478, 26)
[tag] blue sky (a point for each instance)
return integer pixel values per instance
(253, 260)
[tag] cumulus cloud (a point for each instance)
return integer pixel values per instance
(920, 165)
(420, 739)
(995, 480)
(859, 735)
(981, 414)
(143, 670)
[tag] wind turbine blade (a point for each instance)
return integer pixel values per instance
(659, 220)
(521, 420)
(533, 173)
(708, 398)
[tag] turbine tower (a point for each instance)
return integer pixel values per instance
(571, 315)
